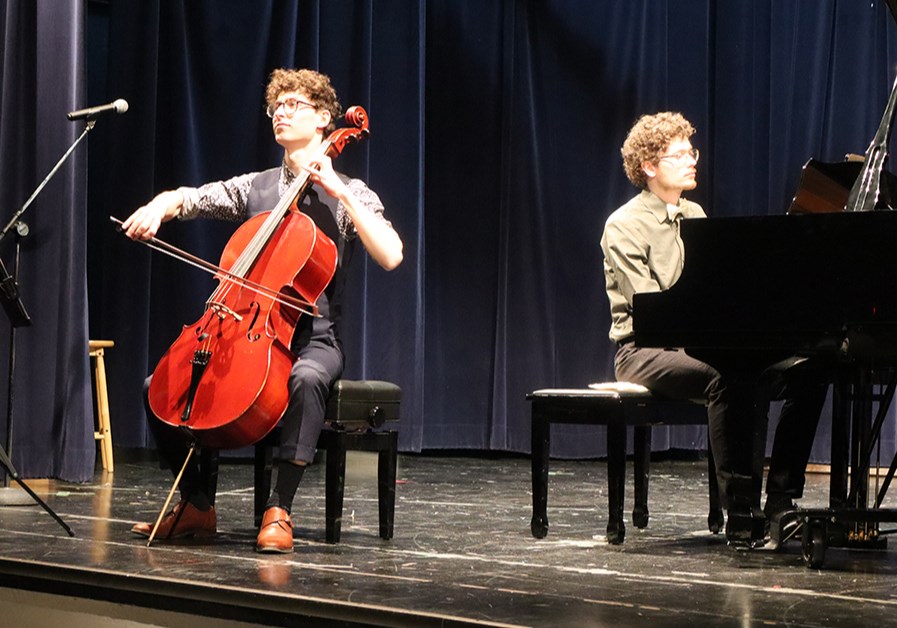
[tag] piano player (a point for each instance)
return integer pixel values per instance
(644, 253)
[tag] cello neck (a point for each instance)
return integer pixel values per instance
(332, 147)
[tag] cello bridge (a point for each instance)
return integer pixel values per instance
(223, 311)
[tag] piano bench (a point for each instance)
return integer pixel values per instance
(361, 416)
(617, 405)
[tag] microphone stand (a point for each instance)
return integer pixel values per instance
(10, 496)
(18, 317)
(87, 129)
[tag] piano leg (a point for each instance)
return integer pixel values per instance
(870, 386)
(541, 448)
(641, 437)
(841, 405)
(853, 521)
(862, 426)
(616, 481)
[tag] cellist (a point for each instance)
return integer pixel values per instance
(303, 106)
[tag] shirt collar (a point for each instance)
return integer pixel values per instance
(674, 212)
(663, 212)
(286, 175)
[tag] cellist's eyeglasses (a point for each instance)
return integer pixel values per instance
(680, 156)
(290, 105)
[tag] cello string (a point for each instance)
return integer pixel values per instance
(229, 277)
(231, 280)
(258, 242)
(266, 231)
(183, 256)
(262, 237)
(253, 249)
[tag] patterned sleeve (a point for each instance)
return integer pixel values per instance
(224, 200)
(369, 200)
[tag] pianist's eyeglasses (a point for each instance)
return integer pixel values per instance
(682, 155)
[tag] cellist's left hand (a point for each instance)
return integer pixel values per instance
(377, 235)
(320, 171)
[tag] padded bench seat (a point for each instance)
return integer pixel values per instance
(617, 405)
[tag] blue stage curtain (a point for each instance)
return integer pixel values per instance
(42, 72)
(496, 129)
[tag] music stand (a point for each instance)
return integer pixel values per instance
(18, 317)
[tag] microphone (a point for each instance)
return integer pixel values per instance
(119, 106)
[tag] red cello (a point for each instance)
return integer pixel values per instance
(224, 380)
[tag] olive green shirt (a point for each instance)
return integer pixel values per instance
(642, 253)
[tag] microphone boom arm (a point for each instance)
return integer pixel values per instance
(90, 124)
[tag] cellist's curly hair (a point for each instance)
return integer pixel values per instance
(648, 138)
(314, 85)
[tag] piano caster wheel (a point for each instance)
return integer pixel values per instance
(814, 544)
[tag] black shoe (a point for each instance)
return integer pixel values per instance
(784, 522)
(745, 529)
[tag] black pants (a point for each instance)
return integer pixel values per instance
(733, 423)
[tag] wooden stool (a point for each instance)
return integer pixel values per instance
(356, 418)
(616, 405)
(96, 350)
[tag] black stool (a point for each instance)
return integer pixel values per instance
(616, 405)
(357, 416)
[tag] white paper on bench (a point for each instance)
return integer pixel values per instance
(622, 387)
(609, 389)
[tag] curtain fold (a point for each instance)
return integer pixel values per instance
(495, 141)
(43, 77)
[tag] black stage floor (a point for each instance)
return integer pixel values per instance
(462, 554)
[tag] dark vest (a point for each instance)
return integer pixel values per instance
(320, 207)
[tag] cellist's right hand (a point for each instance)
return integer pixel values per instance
(145, 221)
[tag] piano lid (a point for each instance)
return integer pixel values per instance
(854, 185)
(824, 187)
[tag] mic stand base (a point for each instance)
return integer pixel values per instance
(15, 496)
(6, 463)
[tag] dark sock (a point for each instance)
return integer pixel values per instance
(200, 500)
(288, 477)
(192, 488)
(777, 503)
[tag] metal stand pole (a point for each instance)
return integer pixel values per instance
(13, 495)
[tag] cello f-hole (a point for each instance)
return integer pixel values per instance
(251, 335)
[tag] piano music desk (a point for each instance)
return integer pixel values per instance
(618, 406)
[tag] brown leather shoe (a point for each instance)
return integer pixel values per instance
(185, 519)
(276, 533)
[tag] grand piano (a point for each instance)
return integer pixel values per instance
(818, 282)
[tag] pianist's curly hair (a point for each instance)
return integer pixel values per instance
(314, 85)
(648, 138)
